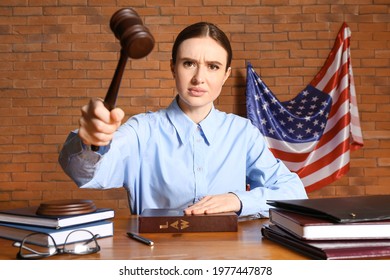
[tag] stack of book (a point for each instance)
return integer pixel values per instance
(16, 224)
(332, 228)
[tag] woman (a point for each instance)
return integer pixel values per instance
(188, 156)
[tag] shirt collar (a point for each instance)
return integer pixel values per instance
(185, 126)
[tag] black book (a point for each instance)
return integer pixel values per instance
(340, 209)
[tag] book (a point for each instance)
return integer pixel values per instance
(28, 216)
(340, 209)
(313, 228)
(329, 249)
(18, 232)
(174, 221)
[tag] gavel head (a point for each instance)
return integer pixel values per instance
(135, 38)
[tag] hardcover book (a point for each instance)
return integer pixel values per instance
(18, 232)
(313, 228)
(329, 249)
(29, 216)
(174, 221)
(340, 209)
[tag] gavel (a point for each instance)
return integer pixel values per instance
(136, 42)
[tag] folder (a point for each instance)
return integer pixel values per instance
(340, 209)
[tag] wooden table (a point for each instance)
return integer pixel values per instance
(247, 243)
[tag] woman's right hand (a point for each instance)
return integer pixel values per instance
(98, 124)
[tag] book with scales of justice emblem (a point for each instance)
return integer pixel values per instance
(175, 221)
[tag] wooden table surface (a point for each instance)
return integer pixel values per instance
(247, 243)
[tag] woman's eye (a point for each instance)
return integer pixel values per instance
(189, 64)
(213, 67)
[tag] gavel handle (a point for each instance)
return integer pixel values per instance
(112, 93)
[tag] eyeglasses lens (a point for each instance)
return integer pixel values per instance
(38, 245)
(88, 245)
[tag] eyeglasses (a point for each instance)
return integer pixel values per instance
(41, 245)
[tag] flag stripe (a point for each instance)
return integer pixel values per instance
(327, 172)
(294, 164)
(341, 39)
(325, 160)
(326, 180)
(339, 69)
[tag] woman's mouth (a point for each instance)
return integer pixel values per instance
(195, 91)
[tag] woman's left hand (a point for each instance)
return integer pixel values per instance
(212, 204)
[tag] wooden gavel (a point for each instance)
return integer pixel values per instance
(136, 42)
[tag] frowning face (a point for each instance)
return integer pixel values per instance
(200, 72)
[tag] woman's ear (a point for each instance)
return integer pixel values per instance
(227, 74)
(173, 69)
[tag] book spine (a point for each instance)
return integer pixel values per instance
(187, 224)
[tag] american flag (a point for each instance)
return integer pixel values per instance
(314, 132)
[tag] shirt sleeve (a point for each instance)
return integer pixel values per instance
(106, 168)
(268, 178)
(78, 161)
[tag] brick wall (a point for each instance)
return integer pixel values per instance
(56, 54)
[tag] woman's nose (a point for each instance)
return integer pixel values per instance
(198, 77)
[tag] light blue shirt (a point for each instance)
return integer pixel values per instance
(165, 160)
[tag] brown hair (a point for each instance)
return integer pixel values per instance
(203, 29)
